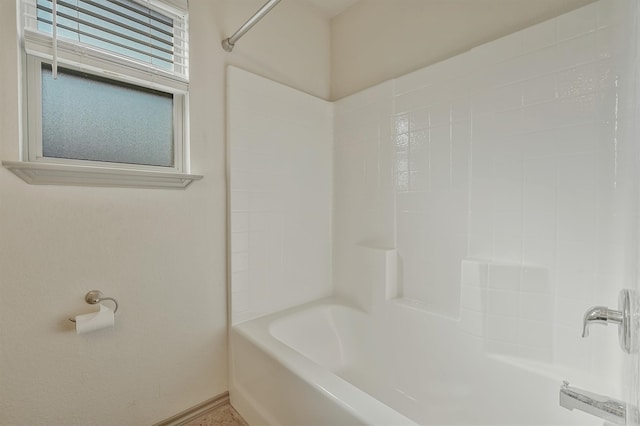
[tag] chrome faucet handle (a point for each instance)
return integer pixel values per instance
(600, 315)
(622, 318)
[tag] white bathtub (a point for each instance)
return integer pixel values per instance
(327, 364)
(292, 368)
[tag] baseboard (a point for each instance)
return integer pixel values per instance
(196, 411)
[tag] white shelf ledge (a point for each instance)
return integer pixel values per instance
(62, 174)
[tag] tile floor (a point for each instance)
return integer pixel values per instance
(221, 416)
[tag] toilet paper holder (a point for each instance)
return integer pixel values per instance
(96, 296)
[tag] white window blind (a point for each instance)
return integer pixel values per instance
(146, 35)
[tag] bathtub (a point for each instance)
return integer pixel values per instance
(297, 367)
(327, 364)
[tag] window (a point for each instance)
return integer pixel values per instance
(105, 89)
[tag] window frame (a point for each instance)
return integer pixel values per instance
(33, 148)
(35, 168)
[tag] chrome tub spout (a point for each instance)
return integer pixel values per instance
(606, 408)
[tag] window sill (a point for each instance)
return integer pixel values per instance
(62, 174)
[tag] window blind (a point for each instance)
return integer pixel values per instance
(131, 29)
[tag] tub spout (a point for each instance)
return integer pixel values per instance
(604, 407)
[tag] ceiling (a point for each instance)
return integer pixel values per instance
(331, 8)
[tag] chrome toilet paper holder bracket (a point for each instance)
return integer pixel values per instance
(96, 296)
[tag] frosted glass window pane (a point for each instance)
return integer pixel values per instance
(90, 118)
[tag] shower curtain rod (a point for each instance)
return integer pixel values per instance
(229, 42)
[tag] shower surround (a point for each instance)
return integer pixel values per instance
(481, 204)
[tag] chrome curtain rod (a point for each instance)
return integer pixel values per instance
(228, 43)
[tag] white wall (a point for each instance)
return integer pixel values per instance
(280, 174)
(376, 40)
(291, 45)
(160, 253)
(518, 154)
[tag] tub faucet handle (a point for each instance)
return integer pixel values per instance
(600, 315)
(623, 318)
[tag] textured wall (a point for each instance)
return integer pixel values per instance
(160, 253)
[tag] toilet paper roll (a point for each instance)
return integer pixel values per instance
(87, 323)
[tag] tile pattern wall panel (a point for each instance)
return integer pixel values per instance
(280, 162)
(510, 307)
(432, 141)
(362, 187)
(516, 153)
